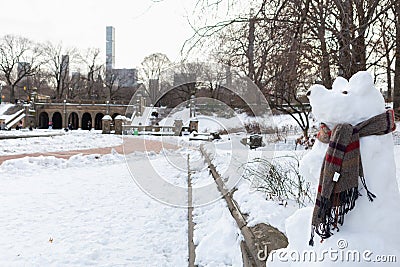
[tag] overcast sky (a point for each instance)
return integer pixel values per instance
(142, 27)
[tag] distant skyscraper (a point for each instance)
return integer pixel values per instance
(110, 48)
(126, 77)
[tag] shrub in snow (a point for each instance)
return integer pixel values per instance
(279, 179)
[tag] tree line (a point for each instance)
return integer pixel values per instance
(45, 68)
(284, 46)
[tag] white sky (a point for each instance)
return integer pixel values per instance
(142, 27)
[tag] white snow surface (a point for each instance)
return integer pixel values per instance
(216, 236)
(3, 108)
(87, 210)
(63, 141)
(90, 209)
(210, 123)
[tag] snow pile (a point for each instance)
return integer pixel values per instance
(3, 108)
(72, 140)
(31, 165)
(260, 210)
(216, 236)
(85, 211)
(370, 226)
(210, 123)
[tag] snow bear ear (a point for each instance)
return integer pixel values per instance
(340, 84)
(361, 82)
(315, 90)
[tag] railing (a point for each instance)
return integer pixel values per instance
(148, 129)
(16, 117)
(82, 101)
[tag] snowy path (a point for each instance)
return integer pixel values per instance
(86, 210)
(68, 148)
(94, 214)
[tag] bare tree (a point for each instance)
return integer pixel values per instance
(19, 58)
(284, 46)
(151, 68)
(382, 47)
(114, 84)
(91, 60)
(58, 64)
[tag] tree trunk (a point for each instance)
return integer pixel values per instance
(12, 93)
(359, 54)
(345, 37)
(325, 65)
(389, 79)
(250, 51)
(396, 91)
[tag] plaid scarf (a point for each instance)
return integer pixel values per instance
(338, 183)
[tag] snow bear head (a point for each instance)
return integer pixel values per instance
(350, 101)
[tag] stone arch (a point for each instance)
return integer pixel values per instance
(86, 118)
(74, 120)
(57, 120)
(43, 120)
(98, 124)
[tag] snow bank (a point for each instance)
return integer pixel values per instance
(72, 140)
(84, 211)
(216, 236)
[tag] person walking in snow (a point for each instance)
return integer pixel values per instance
(89, 125)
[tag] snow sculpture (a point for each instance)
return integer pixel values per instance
(370, 232)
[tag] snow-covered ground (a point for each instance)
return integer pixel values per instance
(88, 210)
(3, 108)
(84, 211)
(61, 141)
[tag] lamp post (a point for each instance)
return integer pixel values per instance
(139, 104)
(1, 92)
(108, 107)
(65, 113)
(192, 107)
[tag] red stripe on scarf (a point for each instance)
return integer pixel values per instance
(352, 146)
(334, 160)
(393, 120)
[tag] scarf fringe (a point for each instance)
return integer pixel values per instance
(370, 195)
(331, 212)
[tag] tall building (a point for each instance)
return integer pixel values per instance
(126, 77)
(110, 48)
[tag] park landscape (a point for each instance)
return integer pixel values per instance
(213, 159)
